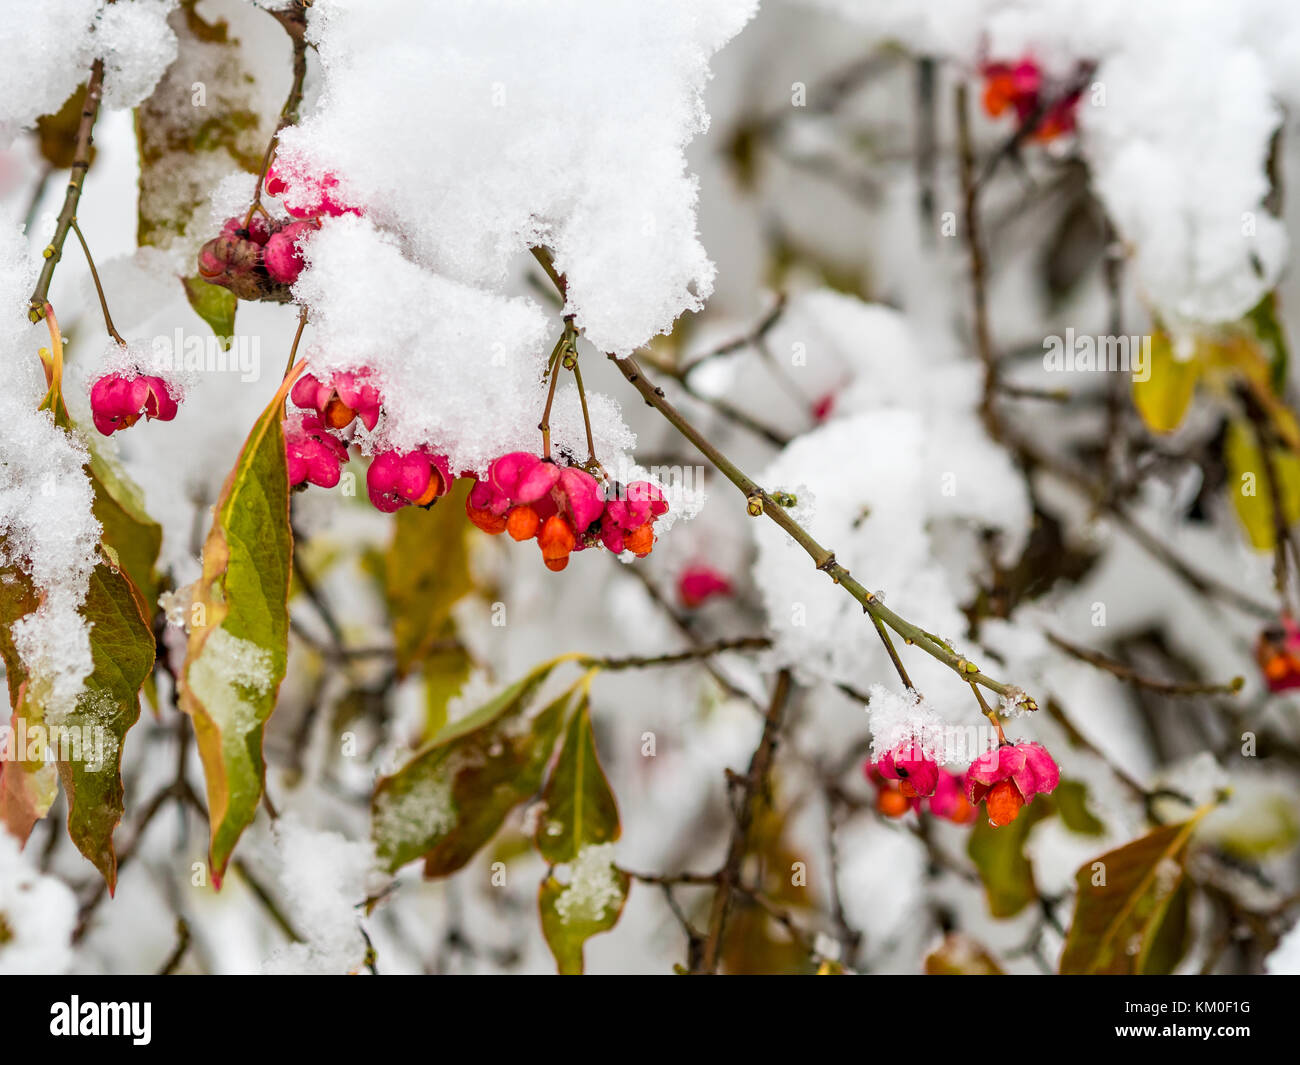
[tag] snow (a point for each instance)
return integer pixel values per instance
(562, 124)
(323, 879)
(593, 887)
(37, 916)
(1285, 958)
(59, 39)
(47, 530)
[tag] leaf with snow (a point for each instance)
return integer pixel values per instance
(185, 149)
(452, 796)
(590, 903)
(239, 647)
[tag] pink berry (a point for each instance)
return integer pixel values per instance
(118, 401)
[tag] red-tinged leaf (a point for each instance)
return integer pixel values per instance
(238, 647)
(122, 650)
(960, 955)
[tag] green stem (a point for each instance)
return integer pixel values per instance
(94, 274)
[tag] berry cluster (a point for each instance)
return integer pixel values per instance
(259, 258)
(1004, 779)
(1019, 87)
(564, 508)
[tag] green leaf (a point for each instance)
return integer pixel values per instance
(122, 651)
(571, 914)
(1272, 337)
(444, 674)
(130, 534)
(1120, 920)
(579, 807)
(426, 572)
(998, 854)
(1165, 396)
(86, 743)
(452, 796)
(214, 304)
(239, 644)
(1071, 798)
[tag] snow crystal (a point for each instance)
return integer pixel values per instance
(594, 886)
(584, 154)
(37, 916)
(137, 46)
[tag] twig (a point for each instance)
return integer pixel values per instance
(1132, 676)
(970, 196)
(178, 952)
(754, 785)
(80, 164)
(704, 650)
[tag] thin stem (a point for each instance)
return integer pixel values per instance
(80, 164)
(297, 336)
(553, 372)
(103, 303)
(970, 195)
(893, 653)
(586, 418)
(707, 650)
(295, 26)
(989, 712)
(1132, 676)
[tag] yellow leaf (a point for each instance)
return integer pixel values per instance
(1165, 396)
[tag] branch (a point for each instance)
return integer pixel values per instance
(67, 216)
(1132, 676)
(760, 503)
